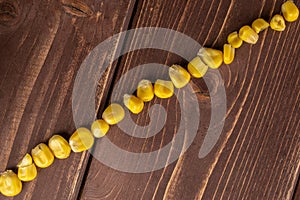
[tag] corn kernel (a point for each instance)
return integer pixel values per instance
(99, 128)
(27, 160)
(134, 104)
(27, 169)
(113, 114)
(59, 146)
(27, 173)
(82, 139)
(145, 90)
(179, 76)
(197, 68)
(277, 23)
(290, 11)
(234, 39)
(229, 52)
(10, 184)
(163, 89)
(248, 35)
(259, 25)
(42, 156)
(211, 57)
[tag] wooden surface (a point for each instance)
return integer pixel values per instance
(42, 45)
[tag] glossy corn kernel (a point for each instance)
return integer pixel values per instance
(59, 146)
(145, 90)
(99, 128)
(179, 76)
(259, 25)
(26, 169)
(290, 11)
(42, 156)
(27, 160)
(10, 184)
(134, 104)
(234, 39)
(81, 140)
(277, 23)
(113, 114)
(27, 173)
(197, 68)
(228, 52)
(211, 57)
(247, 34)
(163, 89)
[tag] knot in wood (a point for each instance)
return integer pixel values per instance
(9, 12)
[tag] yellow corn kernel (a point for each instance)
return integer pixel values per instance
(113, 114)
(134, 104)
(211, 57)
(247, 34)
(228, 53)
(163, 89)
(179, 76)
(290, 11)
(27, 173)
(81, 140)
(259, 25)
(145, 90)
(197, 68)
(42, 156)
(27, 160)
(59, 146)
(10, 184)
(27, 169)
(277, 23)
(234, 39)
(99, 128)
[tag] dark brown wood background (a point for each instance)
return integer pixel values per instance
(43, 43)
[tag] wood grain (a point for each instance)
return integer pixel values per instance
(42, 47)
(257, 156)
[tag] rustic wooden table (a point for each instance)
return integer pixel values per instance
(43, 44)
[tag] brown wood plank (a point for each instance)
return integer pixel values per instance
(43, 44)
(258, 153)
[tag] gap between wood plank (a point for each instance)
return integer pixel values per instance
(106, 100)
(296, 193)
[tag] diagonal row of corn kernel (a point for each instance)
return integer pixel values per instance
(82, 139)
